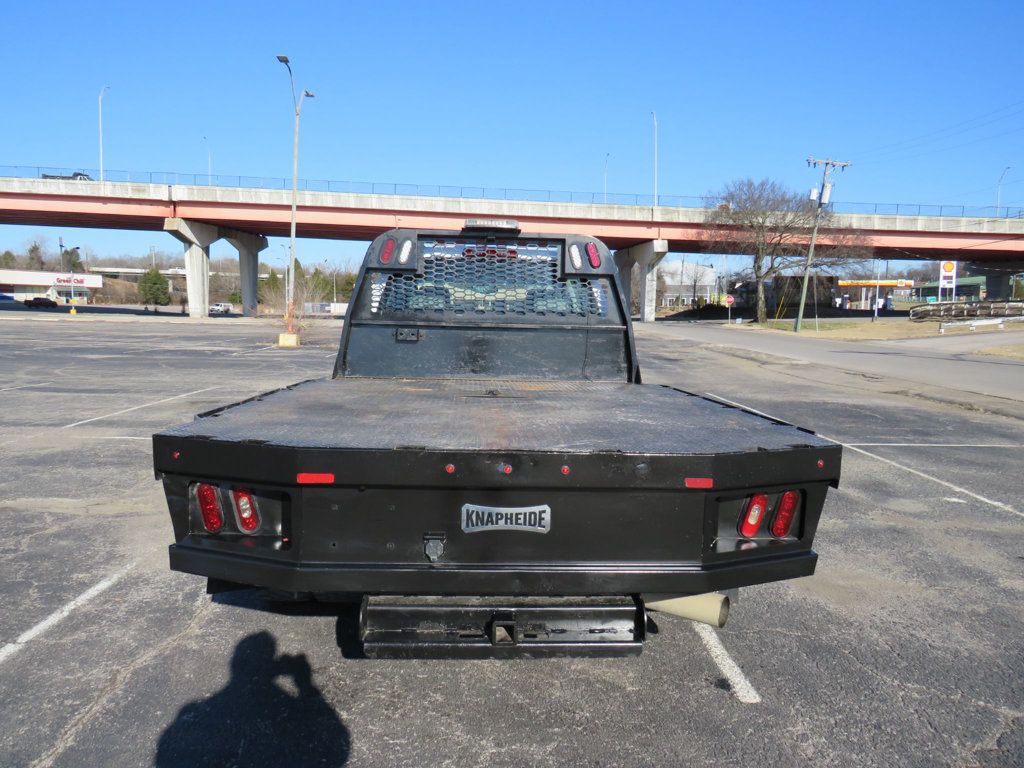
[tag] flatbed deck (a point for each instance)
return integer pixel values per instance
(495, 415)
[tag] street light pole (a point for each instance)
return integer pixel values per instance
(606, 156)
(290, 309)
(655, 116)
(999, 189)
(209, 163)
(102, 91)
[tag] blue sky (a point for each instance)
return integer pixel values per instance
(924, 98)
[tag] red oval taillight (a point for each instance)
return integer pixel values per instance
(209, 507)
(753, 515)
(245, 509)
(387, 251)
(593, 256)
(785, 513)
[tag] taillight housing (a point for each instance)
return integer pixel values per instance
(247, 514)
(575, 258)
(387, 251)
(753, 515)
(785, 511)
(405, 252)
(208, 498)
(593, 255)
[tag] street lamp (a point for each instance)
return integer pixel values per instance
(71, 271)
(290, 309)
(103, 90)
(209, 163)
(999, 189)
(654, 115)
(606, 156)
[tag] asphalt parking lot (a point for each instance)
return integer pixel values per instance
(906, 647)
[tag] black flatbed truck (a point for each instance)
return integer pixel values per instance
(485, 470)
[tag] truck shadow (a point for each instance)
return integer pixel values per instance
(254, 721)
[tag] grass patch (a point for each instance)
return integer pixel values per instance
(1014, 351)
(862, 329)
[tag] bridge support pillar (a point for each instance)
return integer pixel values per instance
(646, 257)
(999, 282)
(248, 247)
(197, 238)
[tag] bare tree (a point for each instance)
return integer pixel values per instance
(771, 223)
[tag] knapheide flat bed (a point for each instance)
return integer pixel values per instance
(495, 415)
(485, 471)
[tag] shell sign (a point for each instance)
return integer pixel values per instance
(947, 274)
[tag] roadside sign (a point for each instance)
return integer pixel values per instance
(947, 278)
(730, 300)
(947, 274)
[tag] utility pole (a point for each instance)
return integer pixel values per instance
(821, 198)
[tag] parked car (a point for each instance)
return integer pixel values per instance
(41, 301)
(222, 308)
(76, 176)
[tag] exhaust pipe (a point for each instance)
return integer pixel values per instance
(710, 608)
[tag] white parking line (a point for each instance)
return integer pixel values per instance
(136, 407)
(937, 445)
(741, 686)
(957, 488)
(26, 386)
(9, 649)
(116, 437)
(911, 470)
(252, 351)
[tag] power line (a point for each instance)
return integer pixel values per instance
(939, 131)
(897, 157)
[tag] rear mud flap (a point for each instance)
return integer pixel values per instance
(501, 627)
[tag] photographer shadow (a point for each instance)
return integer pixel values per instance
(254, 721)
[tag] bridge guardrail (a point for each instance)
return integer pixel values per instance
(480, 193)
(966, 310)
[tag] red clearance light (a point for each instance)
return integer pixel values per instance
(593, 256)
(314, 478)
(449, 468)
(387, 250)
(245, 508)
(753, 515)
(699, 482)
(565, 469)
(784, 514)
(209, 507)
(506, 468)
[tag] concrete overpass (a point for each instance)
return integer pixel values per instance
(643, 235)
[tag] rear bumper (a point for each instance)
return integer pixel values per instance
(448, 579)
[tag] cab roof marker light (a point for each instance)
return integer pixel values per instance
(510, 225)
(575, 257)
(593, 256)
(404, 252)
